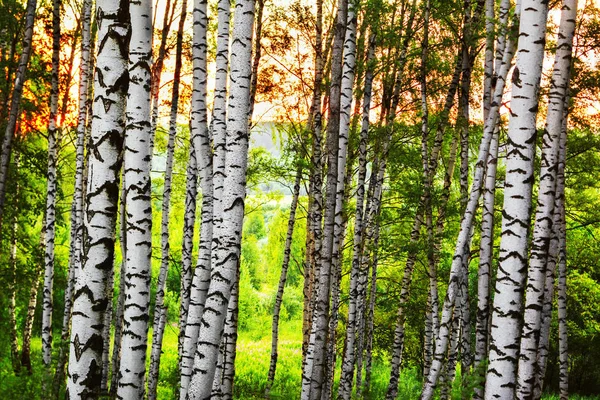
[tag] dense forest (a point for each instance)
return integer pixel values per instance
(313, 199)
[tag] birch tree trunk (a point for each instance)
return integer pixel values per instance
(464, 237)
(551, 267)
(16, 101)
(315, 211)
(222, 387)
(106, 334)
(359, 222)
(204, 157)
(12, 285)
(563, 354)
(138, 215)
(116, 351)
(51, 186)
(282, 279)
(228, 230)
(315, 366)
(347, 374)
(542, 231)
(160, 310)
(108, 124)
(31, 305)
(189, 223)
(505, 326)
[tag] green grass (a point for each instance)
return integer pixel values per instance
(252, 364)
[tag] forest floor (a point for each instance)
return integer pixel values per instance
(252, 365)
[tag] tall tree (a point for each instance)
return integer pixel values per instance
(314, 366)
(160, 311)
(542, 230)
(201, 142)
(464, 237)
(15, 102)
(51, 187)
(504, 336)
(138, 207)
(75, 251)
(106, 142)
(228, 230)
(282, 280)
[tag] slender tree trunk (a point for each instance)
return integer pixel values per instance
(189, 223)
(89, 304)
(464, 236)
(486, 253)
(26, 347)
(551, 267)
(159, 60)
(223, 382)
(204, 157)
(359, 222)
(504, 336)
(260, 6)
(563, 354)
(282, 279)
(229, 227)
(348, 72)
(53, 145)
(160, 310)
(106, 334)
(138, 207)
(12, 285)
(542, 231)
(116, 354)
(314, 220)
(16, 101)
(315, 366)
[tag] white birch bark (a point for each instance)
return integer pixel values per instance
(314, 368)
(315, 210)
(108, 124)
(204, 157)
(563, 354)
(228, 231)
(17, 94)
(116, 350)
(138, 208)
(464, 235)
(27, 329)
(282, 279)
(12, 280)
(506, 317)
(189, 224)
(542, 231)
(222, 387)
(51, 186)
(106, 334)
(160, 318)
(550, 278)
(347, 374)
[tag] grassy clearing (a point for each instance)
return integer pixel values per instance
(252, 364)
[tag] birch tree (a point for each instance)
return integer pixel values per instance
(17, 94)
(314, 367)
(160, 310)
(228, 231)
(201, 143)
(282, 280)
(464, 236)
(505, 325)
(542, 230)
(106, 141)
(138, 207)
(51, 187)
